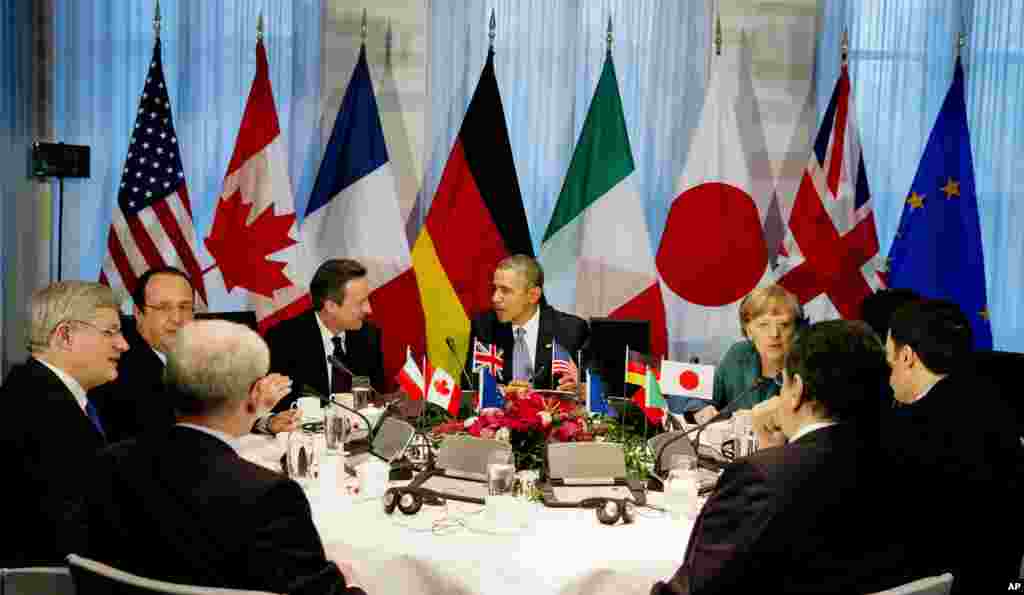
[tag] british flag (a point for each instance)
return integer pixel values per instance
(487, 356)
(830, 254)
(152, 224)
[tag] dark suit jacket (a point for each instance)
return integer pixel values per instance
(136, 401)
(958, 476)
(801, 518)
(182, 506)
(569, 330)
(45, 446)
(297, 351)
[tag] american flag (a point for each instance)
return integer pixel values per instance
(487, 356)
(561, 361)
(152, 225)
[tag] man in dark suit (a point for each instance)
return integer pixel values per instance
(75, 341)
(803, 517)
(181, 505)
(164, 301)
(519, 312)
(958, 476)
(336, 325)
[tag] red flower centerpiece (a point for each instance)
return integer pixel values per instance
(528, 421)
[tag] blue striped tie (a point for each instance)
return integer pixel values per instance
(94, 417)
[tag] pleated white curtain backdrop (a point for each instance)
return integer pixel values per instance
(103, 50)
(901, 65)
(548, 57)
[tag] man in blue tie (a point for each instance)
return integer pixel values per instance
(526, 328)
(75, 342)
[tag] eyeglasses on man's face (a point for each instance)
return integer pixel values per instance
(110, 333)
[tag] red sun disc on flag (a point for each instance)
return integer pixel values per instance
(689, 380)
(712, 251)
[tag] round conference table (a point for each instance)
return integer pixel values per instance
(558, 551)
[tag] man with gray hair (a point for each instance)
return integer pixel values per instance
(74, 342)
(183, 506)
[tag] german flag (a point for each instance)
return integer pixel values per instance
(643, 371)
(475, 220)
(637, 365)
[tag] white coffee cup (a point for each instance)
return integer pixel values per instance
(373, 477)
(310, 407)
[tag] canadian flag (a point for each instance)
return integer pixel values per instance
(410, 377)
(252, 239)
(443, 391)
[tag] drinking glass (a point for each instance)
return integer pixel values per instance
(337, 429)
(682, 486)
(303, 457)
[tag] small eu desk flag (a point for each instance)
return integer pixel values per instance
(937, 250)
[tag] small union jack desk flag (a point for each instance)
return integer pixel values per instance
(487, 356)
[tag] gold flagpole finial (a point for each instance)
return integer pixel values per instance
(718, 34)
(493, 25)
(259, 27)
(608, 36)
(156, 20)
(961, 39)
(844, 48)
(362, 30)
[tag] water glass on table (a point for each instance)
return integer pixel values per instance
(501, 476)
(682, 486)
(303, 457)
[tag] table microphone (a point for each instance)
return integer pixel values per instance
(726, 412)
(450, 342)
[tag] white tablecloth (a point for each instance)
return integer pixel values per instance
(560, 551)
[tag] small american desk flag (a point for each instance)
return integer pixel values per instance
(561, 360)
(152, 223)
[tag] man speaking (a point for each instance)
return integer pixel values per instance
(526, 329)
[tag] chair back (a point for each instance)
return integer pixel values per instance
(39, 580)
(929, 585)
(91, 577)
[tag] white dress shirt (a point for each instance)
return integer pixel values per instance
(810, 428)
(532, 328)
(326, 336)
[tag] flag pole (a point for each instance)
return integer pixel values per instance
(491, 32)
(156, 20)
(844, 48)
(718, 33)
(961, 41)
(362, 30)
(608, 36)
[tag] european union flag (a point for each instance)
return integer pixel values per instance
(596, 401)
(937, 250)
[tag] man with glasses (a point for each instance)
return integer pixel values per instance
(75, 342)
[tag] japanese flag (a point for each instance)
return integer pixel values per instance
(687, 380)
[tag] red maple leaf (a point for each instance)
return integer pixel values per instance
(441, 386)
(241, 250)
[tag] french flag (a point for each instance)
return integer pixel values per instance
(354, 212)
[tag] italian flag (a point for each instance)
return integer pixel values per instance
(597, 238)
